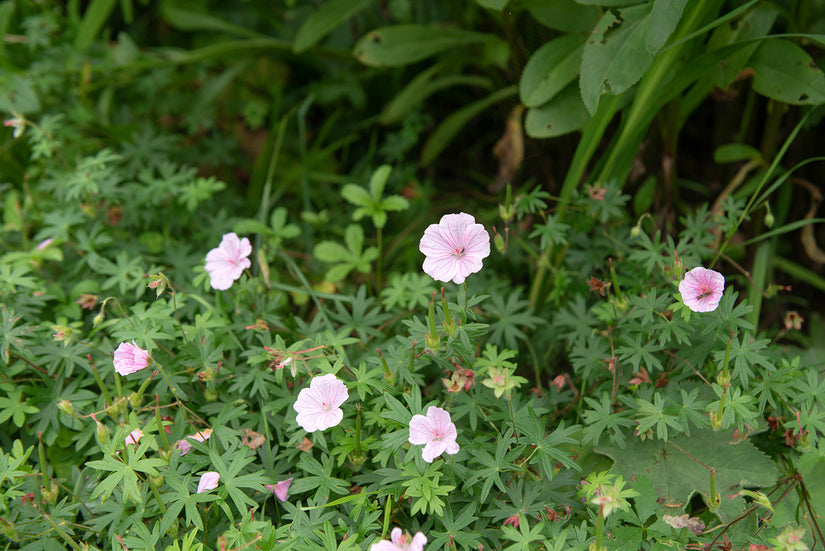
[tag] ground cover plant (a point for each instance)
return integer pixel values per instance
(350, 274)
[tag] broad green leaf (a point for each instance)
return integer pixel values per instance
(615, 57)
(95, 16)
(423, 86)
(676, 476)
(187, 19)
(785, 72)
(563, 15)
(492, 4)
(325, 19)
(17, 94)
(754, 24)
(378, 180)
(447, 130)
(396, 45)
(735, 152)
(552, 67)
(329, 251)
(663, 20)
(356, 195)
(610, 3)
(563, 114)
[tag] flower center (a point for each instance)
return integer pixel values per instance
(458, 252)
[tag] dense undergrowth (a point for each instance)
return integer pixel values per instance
(233, 309)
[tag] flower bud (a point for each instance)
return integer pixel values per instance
(102, 433)
(66, 407)
(156, 481)
(432, 341)
(135, 400)
(769, 219)
(636, 231)
(499, 242)
(207, 373)
(715, 420)
(210, 394)
(51, 493)
(97, 319)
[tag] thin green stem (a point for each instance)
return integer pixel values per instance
(99, 381)
(599, 529)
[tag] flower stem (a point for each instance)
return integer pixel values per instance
(96, 375)
(160, 423)
(599, 529)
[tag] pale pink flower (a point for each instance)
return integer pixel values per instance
(281, 489)
(454, 247)
(45, 243)
(436, 431)
(134, 437)
(201, 436)
(130, 358)
(400, 541)
(702, 289)
(208, 481)
(17, 124)
(318, 406)
(226, 263)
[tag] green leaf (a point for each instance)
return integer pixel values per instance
(615, 58)
(356, 195)
(493, 4)
(187, 19)
(447, 130)
(423, 86)
(735, 152)
(675, 470)
(562, 115)
(552, 67)
(663, 20)
(396, 45)
(323, 20)
(96, 14)
(563, 15)
(785, 72)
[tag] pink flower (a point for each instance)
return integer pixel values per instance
(454, 247)
(45, 243)
(17, 124)
(702, 289)
(401, 542)
(281, 489)
(201, 436)
(436, 431)
(208, 481)
(130, 358)
(134, 437)
(318, 406)
(226, 263)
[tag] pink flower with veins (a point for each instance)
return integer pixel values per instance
(209, 481)
(454, 247)
(318, 406)
(201, 436)
(130, 358)
(399, 541)
(134, 437)
(226, 263)
(281, 489)
(436, 431)
(702, 289)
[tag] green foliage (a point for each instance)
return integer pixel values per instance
(587, 398)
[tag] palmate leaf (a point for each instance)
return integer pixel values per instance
(124, 469)
(12, 336)
(508, 317)
(675, 470)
